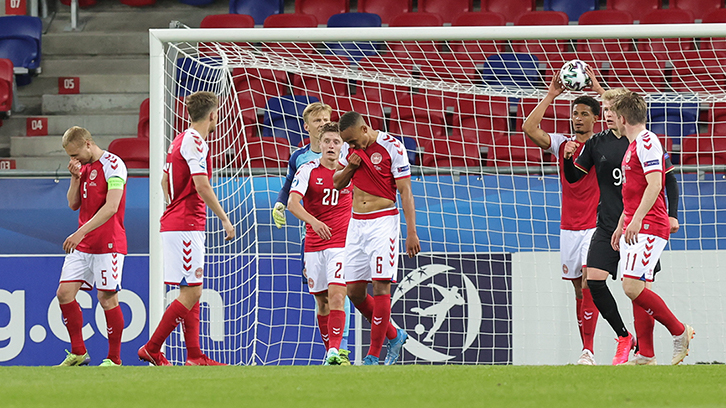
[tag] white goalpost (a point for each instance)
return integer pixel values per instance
(487, 288)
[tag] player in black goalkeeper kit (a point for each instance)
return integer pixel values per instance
(605, 151)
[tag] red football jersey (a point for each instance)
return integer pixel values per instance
(645, 155)
(580, 199)
(382, 163)
(314, 182)
(188, 156)
(111, 236)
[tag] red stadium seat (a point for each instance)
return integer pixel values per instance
(703, 150)
(227, 21)
(134, 152)
(699, 8)
(478, 51)
(663, 48)
(639, 72)
(716, 119)
(637, 8)
(142, 130)
(322, 87)
(453, 151)
(6, 86)
(417, 51)
(447, 9)
(511, 9)
(699, 71)
(421, 117)
(136, 3)
(450, 67)
(290, 20)
(89, 3)
(389, 65)
(372, 111)
(544, 50)
(322, 9)
(267, 152)
(555, 120)
(481, 118)
(602, 49)
(258, 85)
(717, 44)
(387, 9)
(514, 150)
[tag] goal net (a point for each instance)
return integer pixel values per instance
(487, 288)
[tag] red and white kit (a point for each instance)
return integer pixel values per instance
(644, 155)
(99, 257)
(579, 211)
(184, 220)
(323, 259)
(372, 241)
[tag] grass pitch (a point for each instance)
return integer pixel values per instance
(396, 386)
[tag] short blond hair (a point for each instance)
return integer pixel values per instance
(612, 94)
(201, 104)
(632, 107)
(76, 135)
(315, 108)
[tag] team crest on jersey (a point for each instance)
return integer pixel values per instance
(627, 157)
(199, 273)
(376, 158)
(93, 174)
(319, 182)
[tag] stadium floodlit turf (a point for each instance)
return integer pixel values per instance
(396, 386)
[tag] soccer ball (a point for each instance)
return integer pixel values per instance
(574, 77)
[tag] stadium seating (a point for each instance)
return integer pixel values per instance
(372, 111)
(664, 48)
(6, 87)
(716, 119)
(512, 70)
(386, 9)
(511, 9)
(673, 119)
(194, 75)
(197, 2)
(637, 8)
(699, 8)
(227, 21)
(133, 151)
(481, 118)
(322, 9)
(449, 67)
(137, 3)
(283, 117)
(703, 150)
(717, 44)
(420, 116)
(143, 127)
(574, 9)
(290, 20)
(387, 94)
(447, 9)
(639, 72)
(478, 51)
(454, 151)
(258, 85)
(417, 51)
(81, 3)
(602, 49)
(514, 150)
(258, 9)
(322, 87)
(354, 50)
(267, 152)
(20, 41)
(544, 50)
(699, 71)
(555, 120)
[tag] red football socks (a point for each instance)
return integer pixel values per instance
(174, 314)
(590, 314)
(656, 307)
(379, 323)
(366, 309)
(323, 325)
(73, 318)
(115, 328)
(336, 325)
(644, 324)
(578, 310)
(191, 332)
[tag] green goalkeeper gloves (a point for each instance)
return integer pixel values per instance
(278, 215)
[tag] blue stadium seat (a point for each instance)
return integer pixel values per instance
(20, 39)
(197, 2)
(283, 117)
(258, 9)
(512, 69)
(354, 50)
(673, 119)
(573, 8)
(197, 75)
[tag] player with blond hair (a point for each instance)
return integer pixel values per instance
(187, 193)
(96, 251)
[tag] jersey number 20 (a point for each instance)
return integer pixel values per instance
(331, 196)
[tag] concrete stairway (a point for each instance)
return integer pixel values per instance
(110, 58)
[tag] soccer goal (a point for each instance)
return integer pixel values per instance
(487, 288)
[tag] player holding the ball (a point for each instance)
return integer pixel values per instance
(579, 200)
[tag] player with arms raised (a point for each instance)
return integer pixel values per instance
(378, 166)
(643, 229)
(187, 192)
(97, 249)
(326, 213)
(579, 205)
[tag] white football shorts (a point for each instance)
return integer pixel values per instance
(371, 246)
(183, 257)
(638, 261)
(103, 270)
(573, 252)
(324, 268)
